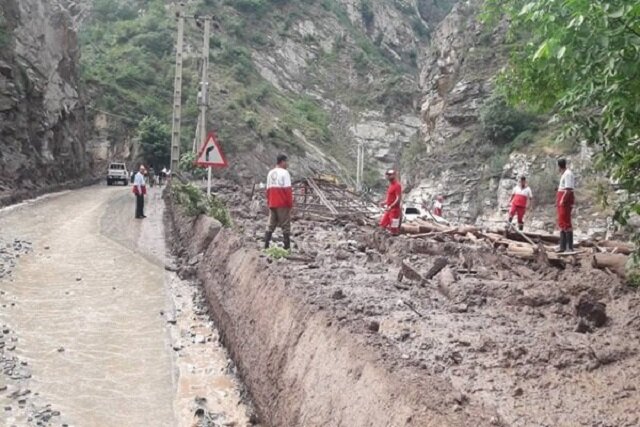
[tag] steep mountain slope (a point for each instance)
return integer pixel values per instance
(312, 78)
(42, 126)
(473, 147)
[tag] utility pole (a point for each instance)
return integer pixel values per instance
(203, 98)
(177, 96)
(360, 148)
(360, 167)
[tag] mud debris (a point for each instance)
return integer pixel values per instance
(498, 328)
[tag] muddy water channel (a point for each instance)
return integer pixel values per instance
(96, 329)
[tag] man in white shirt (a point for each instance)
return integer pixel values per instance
(520, 202)
(280, 202)
(564, 205)
(140, 190)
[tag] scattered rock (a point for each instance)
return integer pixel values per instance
(61, 350)
(591, 310)
(583, 327)
(338, 295)
(518, 392)
(374, 326)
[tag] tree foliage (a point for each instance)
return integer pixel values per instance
(501, 123)
(155, 140)
(127, 57)
(579, 59)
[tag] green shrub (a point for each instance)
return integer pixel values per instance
(197, 203)
(501, 123)
(4, 31)
(366, 10)
(276, 252)
(218, 210)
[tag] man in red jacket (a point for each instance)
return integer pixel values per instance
(140, 190)
(280, 202)
(520, 201)
(392, 205)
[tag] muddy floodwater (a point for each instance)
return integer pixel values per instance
(96, 332)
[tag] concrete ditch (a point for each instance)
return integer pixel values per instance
(301, 366)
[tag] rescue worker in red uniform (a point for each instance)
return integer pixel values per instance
(393, 205)
(520, 201)
(280, 201)
(564, 205)
(438, 205)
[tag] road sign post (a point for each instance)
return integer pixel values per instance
(211, 156)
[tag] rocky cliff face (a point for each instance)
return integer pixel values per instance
(455, 158)
(42, 126)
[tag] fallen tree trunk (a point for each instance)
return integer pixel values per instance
(614, 262)
(619, 247)
(547, 238)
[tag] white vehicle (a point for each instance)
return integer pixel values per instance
(117, 172)
(411, 213)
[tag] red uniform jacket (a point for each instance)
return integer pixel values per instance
(279, 191)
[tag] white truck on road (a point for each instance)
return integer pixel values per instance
(117, 172)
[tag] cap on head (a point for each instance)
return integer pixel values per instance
(281, 158)
(390, 172)
(562, 163)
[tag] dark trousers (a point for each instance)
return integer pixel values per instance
(139, 206)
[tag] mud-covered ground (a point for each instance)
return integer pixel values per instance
(542, 346)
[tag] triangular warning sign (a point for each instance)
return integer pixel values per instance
(211, 154)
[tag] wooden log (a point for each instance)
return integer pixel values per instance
(614, 262)
(410, 229)
(523, 252)
(619, 247)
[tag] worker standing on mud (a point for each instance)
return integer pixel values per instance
(280, 201)
(140, 190)
(393, 205)
(520, 202)
(564, 204)
(437, 206)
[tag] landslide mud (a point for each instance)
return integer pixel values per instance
(302, 365)
(344, 335)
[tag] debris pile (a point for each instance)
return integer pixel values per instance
(324, 199)
(610, 256)
(508, 322)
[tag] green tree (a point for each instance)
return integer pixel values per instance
(155, 140)
(579, 59)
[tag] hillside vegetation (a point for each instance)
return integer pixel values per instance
(292, 76)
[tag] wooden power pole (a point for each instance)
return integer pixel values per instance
(177, 97)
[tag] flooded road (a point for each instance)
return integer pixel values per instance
(99, 330)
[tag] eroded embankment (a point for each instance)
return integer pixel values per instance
(302, 367)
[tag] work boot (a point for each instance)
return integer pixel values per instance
(267, 239)
(521, 227)
(287, 241)
(570, 241)
(563, 241)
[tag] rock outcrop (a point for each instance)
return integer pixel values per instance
(456, 159)
(42, 122)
